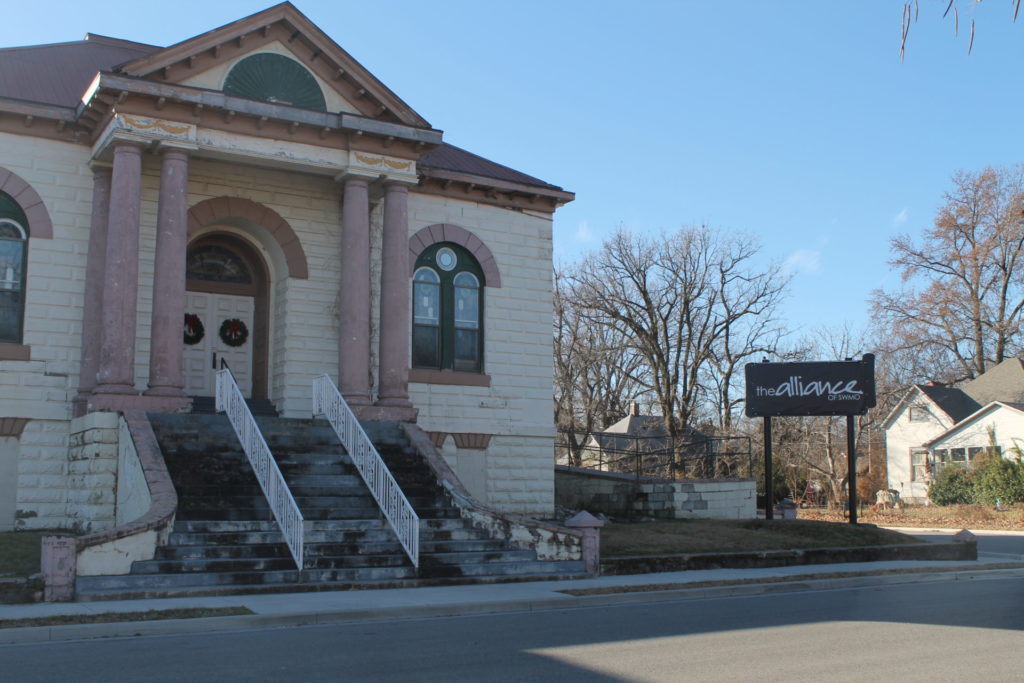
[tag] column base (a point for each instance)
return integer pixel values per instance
(357, 400)
(149, 404)
(379, 413)
(394, 402)
(167, 391)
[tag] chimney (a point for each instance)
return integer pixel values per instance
(634, 408)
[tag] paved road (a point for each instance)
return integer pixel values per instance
(940, 631)
(993, 542)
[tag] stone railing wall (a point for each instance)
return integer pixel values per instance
(622, 495)
(551, 541)
(112, 550)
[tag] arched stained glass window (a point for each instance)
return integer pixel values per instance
(13, 259)
(275, 78)
(447, 310)
(214, 263)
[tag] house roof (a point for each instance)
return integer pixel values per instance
(451, 158)
(1004, 383)
(954, 402)
(974, 417)
(60, 73)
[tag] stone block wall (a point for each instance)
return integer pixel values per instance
(92, 472)
(621, 495)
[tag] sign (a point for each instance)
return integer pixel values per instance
(823, 388)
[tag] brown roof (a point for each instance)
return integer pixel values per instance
(59, 74)
(451, 158)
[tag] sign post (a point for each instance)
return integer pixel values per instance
(806, 389)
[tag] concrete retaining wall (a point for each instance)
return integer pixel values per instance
(622, 495)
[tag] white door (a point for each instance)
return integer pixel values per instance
(227, 335)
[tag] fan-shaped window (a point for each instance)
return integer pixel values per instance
(447, 327)
(13, 257)
(275, 78)
(214, 263)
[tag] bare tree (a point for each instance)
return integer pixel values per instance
(964, 282)
(680, 303)
(595, 372)
(912, 11)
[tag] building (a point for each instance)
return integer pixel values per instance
(936, 426)
(257, 186)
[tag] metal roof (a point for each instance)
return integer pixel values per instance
(59, 74)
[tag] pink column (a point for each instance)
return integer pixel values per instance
(354, 299)
(92, 308)
(117, 349)
(394, 299)
(166, 349)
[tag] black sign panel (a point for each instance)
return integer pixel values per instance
(828, 388)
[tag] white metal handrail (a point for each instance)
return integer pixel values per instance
(286, 512)
(327, 401)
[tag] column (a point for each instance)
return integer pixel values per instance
(354, 299)
(166, 349)
(394, 299)
(92, 308)
(117, 348)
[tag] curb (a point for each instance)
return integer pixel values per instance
(44, 634)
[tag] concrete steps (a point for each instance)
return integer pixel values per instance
(225, 540)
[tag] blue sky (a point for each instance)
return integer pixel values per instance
(795, 121)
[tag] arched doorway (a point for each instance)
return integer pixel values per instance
(226, 316)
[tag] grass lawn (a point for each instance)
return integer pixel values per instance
(718, 535)
(19, 552)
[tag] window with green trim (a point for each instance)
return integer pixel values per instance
(275, 78)
(447, 311)
(13, 257)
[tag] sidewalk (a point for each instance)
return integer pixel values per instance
(297, 609)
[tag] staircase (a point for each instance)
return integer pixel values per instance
(225, 540)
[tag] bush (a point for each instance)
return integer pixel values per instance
(953, 486)
(999, 479)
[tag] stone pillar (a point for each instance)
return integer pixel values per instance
(117, 349)
(166, 350)
(394, 299)
(354, 299)
(590, 527)
(92, 308)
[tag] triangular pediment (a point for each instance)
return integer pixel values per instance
(203, 61)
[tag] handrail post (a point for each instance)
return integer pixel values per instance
(286, 512)
(390, 498)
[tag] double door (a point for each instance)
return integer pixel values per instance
(226, 326)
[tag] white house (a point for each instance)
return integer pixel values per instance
(936, 426)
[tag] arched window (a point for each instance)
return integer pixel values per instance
(275, 78)
(447, 322)
(13, 257)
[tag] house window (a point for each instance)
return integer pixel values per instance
(447, 323)
(919, 414)
(275, 78)
(13, 257)
(918, 464)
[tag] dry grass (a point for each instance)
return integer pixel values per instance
(672, 537)
(932, 516)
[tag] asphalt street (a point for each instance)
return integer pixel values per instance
(941, 631)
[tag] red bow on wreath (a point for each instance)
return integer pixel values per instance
(233, 332)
